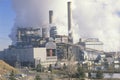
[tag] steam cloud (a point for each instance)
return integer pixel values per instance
(91, 18)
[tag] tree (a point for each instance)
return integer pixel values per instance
(51, 78)
(99, 74)
(56, 64)
(80, 72)
(39, 68)
(12, 75)
(111, 75)
(64, 67)
(50, 68)
(70, 69)
(89, 74)
(37, 77)
(106, 65)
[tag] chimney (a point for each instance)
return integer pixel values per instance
(70, 38)
(50, 16)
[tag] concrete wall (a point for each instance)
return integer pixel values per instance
(40, 54)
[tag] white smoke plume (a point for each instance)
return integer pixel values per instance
(91, 18)
(101, 19)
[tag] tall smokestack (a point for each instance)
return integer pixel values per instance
(70, 38)
(50, 16)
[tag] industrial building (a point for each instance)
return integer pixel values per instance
(43, 45)
(91, 43)
(92, 46)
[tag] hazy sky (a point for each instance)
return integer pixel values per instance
(91, 19)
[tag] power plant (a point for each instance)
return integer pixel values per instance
(43, 45)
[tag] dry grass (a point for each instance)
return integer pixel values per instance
(5, 68)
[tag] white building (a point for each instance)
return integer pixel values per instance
(91, 43)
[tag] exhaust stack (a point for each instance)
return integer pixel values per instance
(50, 17)
(70, 38)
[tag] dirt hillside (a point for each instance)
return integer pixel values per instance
(5, 68)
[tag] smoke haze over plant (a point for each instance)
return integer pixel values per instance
(91, 18)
